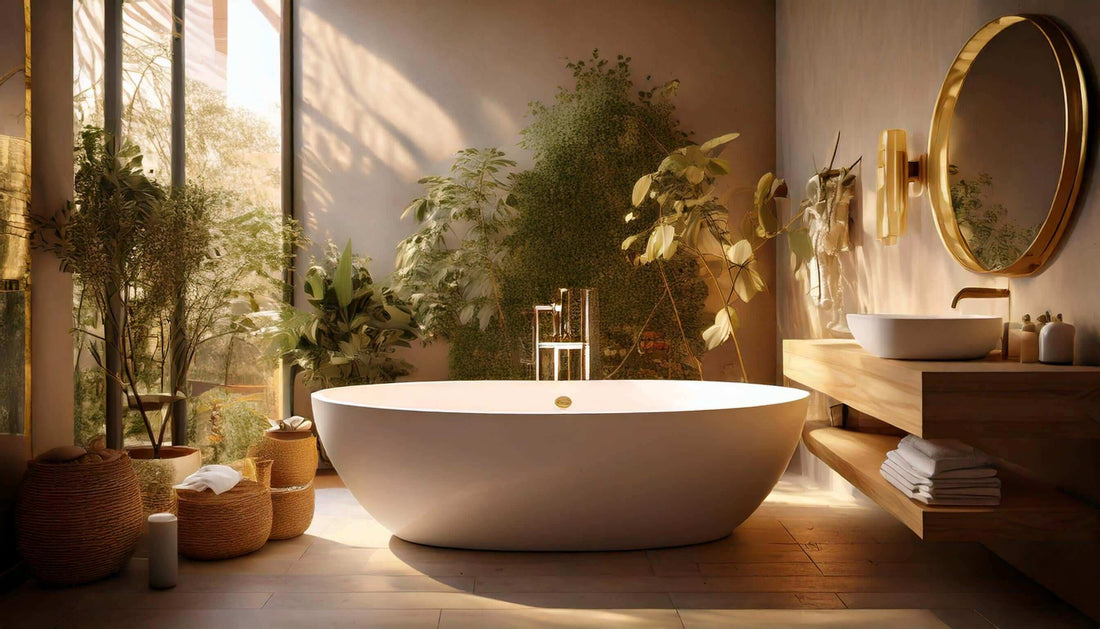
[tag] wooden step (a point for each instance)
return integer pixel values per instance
(1028, 511)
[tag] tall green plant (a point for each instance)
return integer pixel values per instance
(128, 239)
(353, 330)
(113, 238)
(490, 246)
(451, 266)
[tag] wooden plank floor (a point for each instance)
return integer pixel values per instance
(806, 558)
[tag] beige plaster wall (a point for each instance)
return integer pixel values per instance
(389, 90)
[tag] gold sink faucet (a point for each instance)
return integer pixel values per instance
(974, 292)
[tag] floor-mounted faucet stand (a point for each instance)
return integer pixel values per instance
(570, 337)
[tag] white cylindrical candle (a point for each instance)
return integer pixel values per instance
(163, 553)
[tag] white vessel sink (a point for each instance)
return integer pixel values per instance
(916, 337)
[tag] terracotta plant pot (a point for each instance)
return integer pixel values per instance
(157, 476)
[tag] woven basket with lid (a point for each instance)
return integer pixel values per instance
(78, 521)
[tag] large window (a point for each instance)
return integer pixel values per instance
(232, 98)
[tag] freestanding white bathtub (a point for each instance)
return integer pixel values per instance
(497, 465)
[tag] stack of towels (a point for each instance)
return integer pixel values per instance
(942, 472)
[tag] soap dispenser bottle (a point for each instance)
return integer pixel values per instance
(1056, 342)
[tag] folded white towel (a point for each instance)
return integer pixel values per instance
(217, 478)
(965, 473)
(946, 501)
(910, 476)
(942, 455)
(936, 491)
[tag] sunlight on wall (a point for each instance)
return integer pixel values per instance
(379, 116)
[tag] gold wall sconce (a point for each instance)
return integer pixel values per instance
(894, 173)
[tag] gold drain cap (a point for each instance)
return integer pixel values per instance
(563, 402)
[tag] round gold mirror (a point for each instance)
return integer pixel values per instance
(1007, 146)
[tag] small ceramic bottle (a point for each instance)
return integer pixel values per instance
(1056, 343)
(1029, 341)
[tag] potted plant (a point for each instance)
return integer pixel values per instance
(352, 330)
(134, 249)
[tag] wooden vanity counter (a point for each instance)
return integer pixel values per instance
(952, 399)
(961, 400)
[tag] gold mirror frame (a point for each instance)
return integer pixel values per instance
(1073, 157)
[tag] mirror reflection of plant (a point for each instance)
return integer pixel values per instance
(353, 330)
(996, 239)
(450, 268)
(680, 203)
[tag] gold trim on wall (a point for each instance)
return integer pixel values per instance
(1074, 146)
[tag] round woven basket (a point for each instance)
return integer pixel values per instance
(294, 453)
(235, 523)
(78, 522)
(291, 511)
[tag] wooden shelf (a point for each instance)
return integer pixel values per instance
(1027, 511)
(961, 399)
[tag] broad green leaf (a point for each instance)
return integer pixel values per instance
(484, 315)
(719, 141)
(662, 243)
(641, 189)
(801, 246)
(768, 220)
(467, 313)
(726, 322)
(630, 240)
(717, 167)
(341, 279)
(415, 208)
(694, 174)
(744, 285)
(763, 189)
(740, 253)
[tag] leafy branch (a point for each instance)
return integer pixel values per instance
(680, 201)
(451, 266)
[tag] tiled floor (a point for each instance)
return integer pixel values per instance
(805, 559)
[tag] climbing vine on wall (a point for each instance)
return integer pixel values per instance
(559, 224)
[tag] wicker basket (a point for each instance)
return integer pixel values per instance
(291, 511)
(235, 523)
(294, 453)
(78, 522)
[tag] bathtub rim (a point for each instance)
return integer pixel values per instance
(796, 395)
